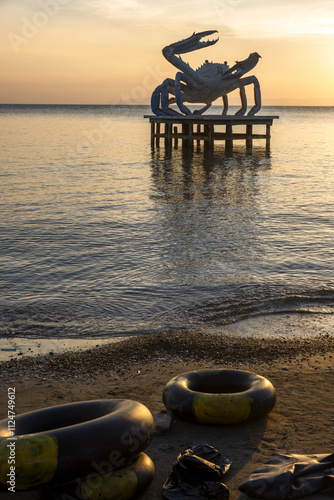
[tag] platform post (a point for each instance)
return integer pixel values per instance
(168, 134)
(229, 140)
(157, 134)
(185, 134)
(152, 133)
(191, 130)
(206, 136)
(211, 135)
(198, 142)
(249, 138)
(176, 140)
(267, 138)
(208, 132)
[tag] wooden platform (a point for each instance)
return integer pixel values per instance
(209, 128)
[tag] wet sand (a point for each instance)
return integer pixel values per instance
(300, 369)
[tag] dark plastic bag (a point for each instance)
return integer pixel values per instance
(286, 477)
(197, 474)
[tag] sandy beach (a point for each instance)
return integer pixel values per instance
(300, 369)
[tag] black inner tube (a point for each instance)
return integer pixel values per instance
(57, 444)
(219, 396)
(213, 385)
(59, 417)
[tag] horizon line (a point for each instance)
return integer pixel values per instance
(145, 105)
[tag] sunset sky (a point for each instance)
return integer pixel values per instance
(109, 51)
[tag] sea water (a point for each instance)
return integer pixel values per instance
(100, 236)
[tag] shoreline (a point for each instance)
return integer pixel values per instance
(302, 371)
(172, 347)
(289, 326)
(14, 347)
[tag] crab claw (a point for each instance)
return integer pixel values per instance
(191, 43)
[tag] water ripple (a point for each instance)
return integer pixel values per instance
(106, 237)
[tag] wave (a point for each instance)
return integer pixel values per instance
(82, 320)
(233, 307)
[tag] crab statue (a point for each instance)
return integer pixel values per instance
(206, 83)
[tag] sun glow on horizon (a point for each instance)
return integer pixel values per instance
(96, 51)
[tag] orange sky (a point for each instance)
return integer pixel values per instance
(109, 51)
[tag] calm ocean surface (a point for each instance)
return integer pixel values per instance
(100, 236)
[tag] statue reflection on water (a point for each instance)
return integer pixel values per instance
(201, 173)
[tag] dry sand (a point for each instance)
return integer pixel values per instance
(301, 371)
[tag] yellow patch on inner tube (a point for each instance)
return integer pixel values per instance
(121, 486)
(36, 459)
(221, 408)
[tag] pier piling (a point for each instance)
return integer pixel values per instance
(190, 128)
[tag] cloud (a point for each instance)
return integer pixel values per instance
(127, 11)
(258, 18)
(286, 18)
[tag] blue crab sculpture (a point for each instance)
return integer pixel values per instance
(205, 84)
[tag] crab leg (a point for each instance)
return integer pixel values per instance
(225, 101)
(249, 80)
(178, 92)
(169, 82)
(161, 92)
(155, 100)
(240, 84)
(243, 98)
(257, 97)
(201, 111)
